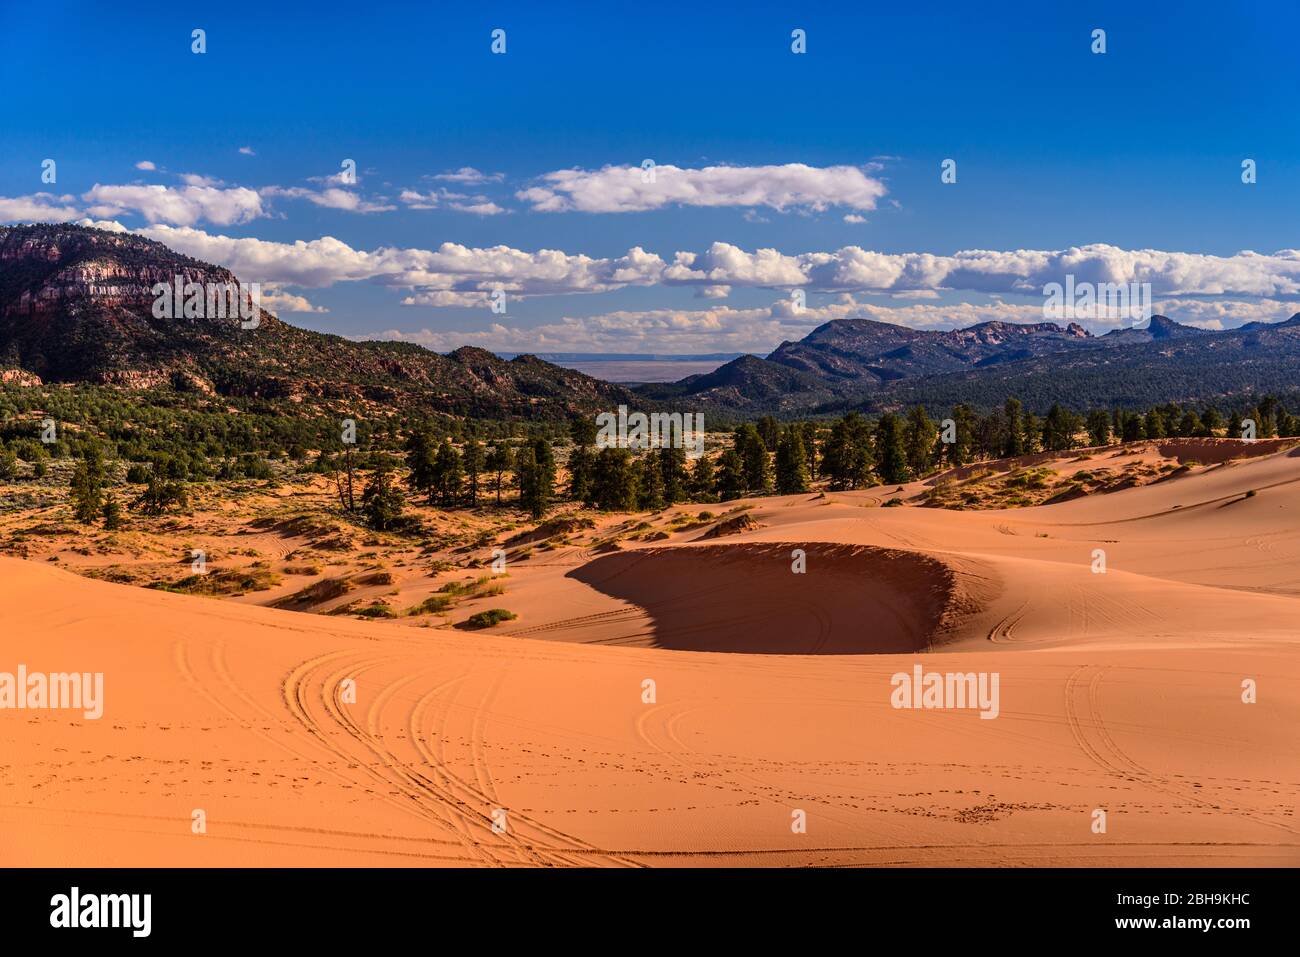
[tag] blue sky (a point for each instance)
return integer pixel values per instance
(1123, 166)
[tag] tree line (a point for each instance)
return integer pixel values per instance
(470, 466)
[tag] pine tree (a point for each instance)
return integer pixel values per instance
(1015, 437)
(702, 480)
(613, 480)
(583, 431)
(447, 473)
(964, 421)
(1132, 429)
(1268, 417)
(672, 473)
(1155, 425)
(731, 475)
(1263, 425)
(112, 513)
(769, 431)
(535, 467)
(161, 495)
(650, 484)
(810, 436)
(753, 453)
(847, 456)
(500, 460)
(1031, 433)
(1099, 423)
(1058, 429)
(1189, 424)
(421, 453)
(472, 461)
(86, 487)
(382, 502)
(919, 439)
(891, 453)
(791, 463)
(582, 462)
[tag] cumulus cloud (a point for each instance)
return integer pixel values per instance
(476, 271)
(182, 206)
(145, 165)
(1201, 289)
(1021, 271)
(442, 198)
(195, 179)
(1226, 313)
(452, 267)
(626, 189)
(331, 198)
(716, 329)
(760, 330)
(276, 299)
(479, 208)
(38, 208)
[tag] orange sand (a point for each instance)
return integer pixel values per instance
(1119, 691)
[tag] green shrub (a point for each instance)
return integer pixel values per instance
(486, 619)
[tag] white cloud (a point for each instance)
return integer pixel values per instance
(442, 197)
(445, 297)
(716, 329)
(341, 178)
(108, 225)
(417, 200)
(275, 299)
(37, 208)
(759, 330)
(1192, 287)
(145, 165)
(247, 151)
(479, 209)
(625, 189)
(1021, 271)
(468, 174)
(449, 268)
(195, 179)
(1225, 313)
(330, 198)
(183, 206)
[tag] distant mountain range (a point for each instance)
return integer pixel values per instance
(870, 365)
(77, 305)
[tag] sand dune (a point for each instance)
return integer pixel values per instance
(1119, 691)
